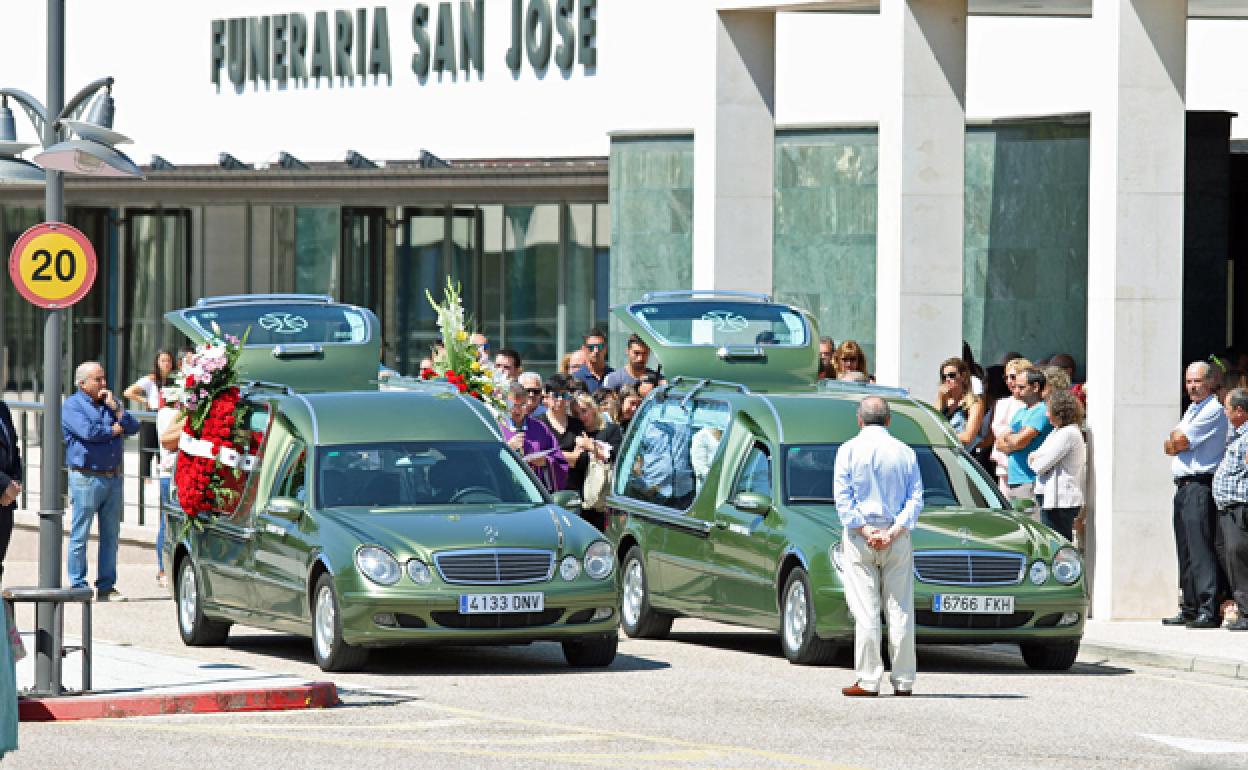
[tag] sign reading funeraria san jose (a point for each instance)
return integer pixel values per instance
(299, 47)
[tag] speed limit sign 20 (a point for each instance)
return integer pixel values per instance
(52, 265)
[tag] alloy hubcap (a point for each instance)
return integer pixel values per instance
(324, 621)
(795, 615)
(188, 598)
(634, 592)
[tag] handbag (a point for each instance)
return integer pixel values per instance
(597, 484)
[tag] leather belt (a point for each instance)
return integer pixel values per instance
(1200, 478)
(114, 473)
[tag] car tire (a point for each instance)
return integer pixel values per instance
(797, 624)
(331, 652)
(638, 619)
(591, 651)
(196, 629)
(1050, 656)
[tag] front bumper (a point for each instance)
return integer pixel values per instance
(1037, 612)
(430, 614)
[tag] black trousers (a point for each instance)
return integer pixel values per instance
(6, 532)
(1234, 526)
(1195, 528)
(1061, 519)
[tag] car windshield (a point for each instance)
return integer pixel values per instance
(717, 323)
(274, 323)
(423, 473)
(950, 478)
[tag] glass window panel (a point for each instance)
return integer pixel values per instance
(492, 311)
(581, 275)
(363, 233)
(317, 236)
(156, 280)
(531, 281)
(419, 268)
(21, 323)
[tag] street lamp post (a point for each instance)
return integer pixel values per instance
(91, 155)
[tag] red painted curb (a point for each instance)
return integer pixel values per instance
(308, 696)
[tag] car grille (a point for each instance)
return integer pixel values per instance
(969, 568)
(965, 620)
(498, 619)
(495, 566)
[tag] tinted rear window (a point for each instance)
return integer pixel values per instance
(719, 323)
(284, 323)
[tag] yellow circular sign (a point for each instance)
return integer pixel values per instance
(53, 265)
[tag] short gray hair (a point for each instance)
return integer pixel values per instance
(1210, 373)
(526, 378)
(516, 392)
(873, 410)
(1237, 398)
(84, 370)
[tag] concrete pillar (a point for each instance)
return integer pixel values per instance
(921, 187)
(1135, 290)
(734, 149)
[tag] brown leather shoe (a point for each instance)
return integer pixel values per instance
(854, 691)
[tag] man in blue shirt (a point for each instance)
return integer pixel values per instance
(1197, 444)
(594, 372)
(1028, 429)
(879, 495)
(94, 424)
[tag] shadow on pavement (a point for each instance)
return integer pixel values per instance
(443, 660)
(953, 659)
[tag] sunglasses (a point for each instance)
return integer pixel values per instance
(533, 391)
(595, 346)
(559, 395)
(949, 376)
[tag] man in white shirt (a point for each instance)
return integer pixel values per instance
(879, 495)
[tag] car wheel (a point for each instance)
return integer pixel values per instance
(591, 651)
(1050, 656)
(332, 653)
(196, 630)
(637, 618)
(797, 624)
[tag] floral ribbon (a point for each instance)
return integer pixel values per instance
(231, 458)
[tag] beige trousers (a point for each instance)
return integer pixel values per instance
(873, 576)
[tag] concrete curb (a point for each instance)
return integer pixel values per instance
(1118, 654)
(313, 695)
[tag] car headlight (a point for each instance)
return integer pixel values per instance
(599, 560)
(378, 565)
(419, 572)
(569, 568)
(1067, 565)
(1038, 573)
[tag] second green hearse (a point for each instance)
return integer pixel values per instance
(379, 518)
(723, 503)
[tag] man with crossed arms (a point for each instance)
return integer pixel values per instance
(879, 495)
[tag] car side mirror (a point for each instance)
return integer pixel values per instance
(1023, 504)
(287, 508)
(752, 502)
(567, 498)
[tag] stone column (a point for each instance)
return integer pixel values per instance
(921, 188)
(734, 149)
(1135, 290)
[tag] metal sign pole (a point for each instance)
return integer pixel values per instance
(51, 510)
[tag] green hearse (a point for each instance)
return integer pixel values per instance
(375, 518)
(722, 506)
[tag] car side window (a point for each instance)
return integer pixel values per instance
(293, 481)
(755, 473)
(672, 453)
(249, 480)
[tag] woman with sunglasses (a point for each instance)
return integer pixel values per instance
(1002, 412)
(600, 439)
(850, 357)
(557, 417)
(963, 409)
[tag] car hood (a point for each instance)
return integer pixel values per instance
(968, 529)
(421, 531)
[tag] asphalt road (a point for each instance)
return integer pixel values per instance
(710, 697)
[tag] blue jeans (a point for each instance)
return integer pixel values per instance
(89, 496)
(160, 532)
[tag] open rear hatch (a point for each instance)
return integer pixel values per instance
(733, 336)
(308, 342)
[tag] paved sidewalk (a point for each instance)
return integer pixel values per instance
(1149, 643)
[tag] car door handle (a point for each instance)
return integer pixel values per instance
(721, 524)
